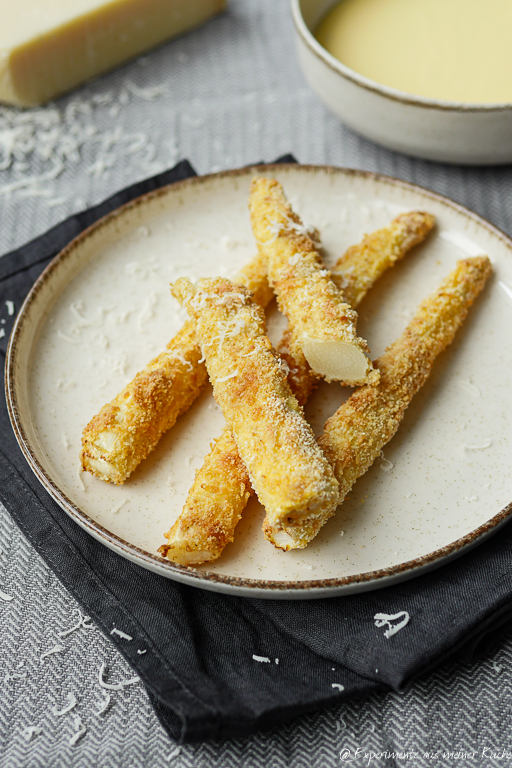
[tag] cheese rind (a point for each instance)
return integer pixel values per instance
(45, 52)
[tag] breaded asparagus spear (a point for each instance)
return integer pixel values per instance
(221, 487)
(286, 467)
(322, 324)
(354, 274)
(128, 428)
(361, 427)
(214, 506)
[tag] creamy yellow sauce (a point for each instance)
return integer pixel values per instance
(453, 50)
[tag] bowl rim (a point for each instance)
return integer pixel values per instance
(210, 580)
(393, 94)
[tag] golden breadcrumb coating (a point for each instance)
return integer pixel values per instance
(322, 324)
(201, 534)
(286, 467)
(354, 274)
(221, 487)
(128, 428)
(361, 265)
(361, 427)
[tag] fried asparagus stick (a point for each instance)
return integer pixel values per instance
(286, 467)
(322, 324)
(222, 487)
(128, 428)
(361, 427)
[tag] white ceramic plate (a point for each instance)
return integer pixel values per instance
(102, 310)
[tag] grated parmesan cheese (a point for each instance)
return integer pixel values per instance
(383, 619)
(115, 686)
(482, 447)
(104, 706)
(81, 482)
(116, 509)
(226, 378)
(385, 464)
(339, 686)
(80, 623)
(469, 387)
(72, 702)
(179, 356)
(81, 730)
(10, 307)
(31, 731)
(56, 649)
(2, 333)
(142, 652)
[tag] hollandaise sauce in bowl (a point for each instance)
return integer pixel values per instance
(431, 78)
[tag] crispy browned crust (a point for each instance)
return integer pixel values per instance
(202, 534)
(361, 265)
(128, 428)
(361, 427)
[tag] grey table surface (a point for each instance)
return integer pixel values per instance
(226, 95)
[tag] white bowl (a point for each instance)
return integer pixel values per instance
(452, 132)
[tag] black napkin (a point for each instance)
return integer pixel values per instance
(199, 668)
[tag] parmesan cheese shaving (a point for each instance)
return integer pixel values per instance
(80, 481)
(383, 619)
(120, 634)
(385, 464)
(80, 728)
(104, 705)
(115, 686)
(174, 355)
(230, 376)
(339, 686)
(10, 307)
(116, 509)
(264, 659)
(51, 651)
(482, 447)
(72, 702)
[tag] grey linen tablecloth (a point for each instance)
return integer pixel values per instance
(229, 94)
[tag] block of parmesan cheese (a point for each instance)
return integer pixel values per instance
(48, 47)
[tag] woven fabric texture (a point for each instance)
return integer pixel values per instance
(226, 95)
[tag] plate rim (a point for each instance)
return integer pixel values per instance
(210, 580)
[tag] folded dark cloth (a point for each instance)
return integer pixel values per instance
(200, 670)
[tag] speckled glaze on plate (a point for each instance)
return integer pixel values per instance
(102, 310)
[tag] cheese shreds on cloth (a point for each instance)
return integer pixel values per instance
(287, 469)
(47, 48)
(221, 486)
